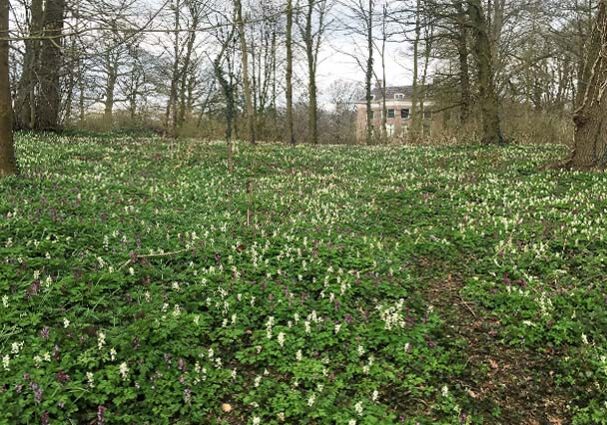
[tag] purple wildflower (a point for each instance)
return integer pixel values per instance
(101, 415)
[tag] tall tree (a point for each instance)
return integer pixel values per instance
(246, 82)
(590, 141)
(369, 70)
(289, 72)
(224, 36)
(8, 165)
(25, 102)
(315, 12)
(171, 113)
(483, 52)
(461, 42)
(48, 105)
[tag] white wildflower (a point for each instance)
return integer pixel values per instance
(445, 391)
(358, 408)
(311, 400)
(90, 379)
(585, 339)
(124, 370)
(16, 347)
(360, 350)
(101, 341)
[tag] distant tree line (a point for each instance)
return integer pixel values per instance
(248, 69)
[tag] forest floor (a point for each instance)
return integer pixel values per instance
(142, 283)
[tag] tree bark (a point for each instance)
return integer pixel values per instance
(8, 165)
(112, 77)
(369, 74)
(384, 40)
(590, 141)
(415, 119)
(25, 102)
(51, 59)
(250, 110)
(187, 68)
(489, 104)
(312, 90)
(464, 70)
(289, 72)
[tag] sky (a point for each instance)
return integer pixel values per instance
(338, 49)
(337, 63)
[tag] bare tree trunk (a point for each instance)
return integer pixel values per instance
(384, 105)
(112, 77)
(415, 121)
(312, 120)
(464, 70)
(250, 110)
(273, 78)
(369, 74)
(312, 55)
(171, 112)
(51, 58)
(492, 131)
(590, 148)
(184, 83)
(289, 72)
(81, 91)
(8, 165)
(428, 36)
(25, 102)
(384, 40)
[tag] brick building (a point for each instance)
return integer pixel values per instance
(398, 105)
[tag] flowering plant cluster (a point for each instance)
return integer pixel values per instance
(141, 283)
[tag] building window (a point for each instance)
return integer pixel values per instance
(404, 114)
(399, 96)
(390, 113)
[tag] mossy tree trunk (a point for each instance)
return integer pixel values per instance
(590, 141)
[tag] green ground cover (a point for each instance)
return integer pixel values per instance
(142, 284)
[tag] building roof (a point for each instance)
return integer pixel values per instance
(376, 92)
